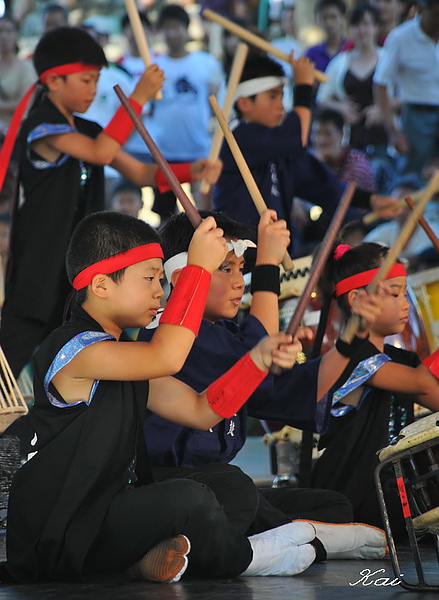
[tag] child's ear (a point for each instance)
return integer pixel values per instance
(174, 277)
(352, 296)
(243, 104)
(52, 81)
(99, 286)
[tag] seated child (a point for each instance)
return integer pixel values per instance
(376, 401)
(85, 503)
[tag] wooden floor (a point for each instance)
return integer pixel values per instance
(332, 580)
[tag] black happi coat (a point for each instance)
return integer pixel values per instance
(52, 201)
(59, 498)
(352, 441)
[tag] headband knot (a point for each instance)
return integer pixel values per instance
(340, 250)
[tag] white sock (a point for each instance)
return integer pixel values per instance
(351, 540)
(282, 551)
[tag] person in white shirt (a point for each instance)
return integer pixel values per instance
(411, 63)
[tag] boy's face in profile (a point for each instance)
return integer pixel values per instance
(75, 92)
(226, 289)
(135, 299)
(266, 108)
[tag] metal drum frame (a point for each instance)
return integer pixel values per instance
(413, 498)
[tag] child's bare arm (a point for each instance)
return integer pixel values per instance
(173, 400)
(303, 75)
(142, 174)
(273, 240)
(102, 149)
(400, 378)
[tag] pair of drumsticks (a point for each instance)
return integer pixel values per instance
(224, 131)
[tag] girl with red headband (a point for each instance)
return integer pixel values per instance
(61, 158)
(375, 397)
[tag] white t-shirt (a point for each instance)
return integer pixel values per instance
(410, 62)
(179, 122)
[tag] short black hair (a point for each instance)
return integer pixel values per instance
(174, 12)
(340, 4)
(177, 233)
(329, 115)
(55, 8)
(101, 235)
(143, 19)
(259, 65)
(365, 256)
(64, 45)
(362, 9)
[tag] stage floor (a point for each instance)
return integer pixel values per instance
(332, 580)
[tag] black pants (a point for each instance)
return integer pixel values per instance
(139, 518)
(253, 510)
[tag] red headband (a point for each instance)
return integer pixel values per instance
(362, 279)
(17, 117)
(116, 262)
(67, 69)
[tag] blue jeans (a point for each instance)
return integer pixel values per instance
(421, 126)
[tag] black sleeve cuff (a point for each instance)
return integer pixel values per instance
(303, 95)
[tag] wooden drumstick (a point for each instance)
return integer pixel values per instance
(391, 257)
(416, 197)
(160, 160)
(139, 36)
(425, 226)
(247, 175)
(319, 263)
(253, 39)
(234, 78)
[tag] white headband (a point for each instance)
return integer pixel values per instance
(257, 85)
(179, 261)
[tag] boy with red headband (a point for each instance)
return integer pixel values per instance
(375, 402)
(85, 504)
(61, 158)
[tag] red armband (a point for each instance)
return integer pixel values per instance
(186, 304)
(181, 170)
(227, 394)
(432, 363)
(121, 125)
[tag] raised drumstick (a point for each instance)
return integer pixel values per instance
(160, 160)
(234, 78)
(249, 180)
(391, 257)
(253, 39)
(319, 263)
(139, 36)
(425, 226)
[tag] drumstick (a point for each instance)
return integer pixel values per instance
(425, 226)
(319, 263)
(160, 160)
(391, 257)
(139, 36)
(235, 76)
(377, 214)
(254, 39)
(249, 180)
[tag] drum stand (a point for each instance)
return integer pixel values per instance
(413, 481)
